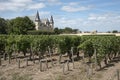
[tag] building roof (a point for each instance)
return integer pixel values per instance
(51, 19)
(37, 17)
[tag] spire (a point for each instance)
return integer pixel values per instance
(37, 18)
(51, 19)
(47, 22)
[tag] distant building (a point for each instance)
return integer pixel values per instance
(44, 24)
(94, 32)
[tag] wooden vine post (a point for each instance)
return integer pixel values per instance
(72, 57)
(19, 63)
(92, 69)
(0, 60)
(50, 56)
(40, 63)
(33, 58)
(83, 57)
(30, 54)
(26, 62)
(46, 64)
(117, 71)
(15, 51)
(39, 54)
(60, 57)
(9, 58)
(4, 56)
(68, 65)
(89, 71)
(16, 55)
(63, 68)
(95, 59)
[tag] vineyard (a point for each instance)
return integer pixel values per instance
(50, 52)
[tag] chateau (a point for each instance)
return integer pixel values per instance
(44, 24)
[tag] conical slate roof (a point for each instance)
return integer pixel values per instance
(51, 19)
(37, 18)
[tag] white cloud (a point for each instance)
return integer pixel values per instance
(63, 21)
(73, 3)
(10, 6)
(53, 0)
(36, 6)
(44, 13)
(20, 1)
(97, 17)
(75, 7)
(100, 22)
(49, 0)
(18, 5)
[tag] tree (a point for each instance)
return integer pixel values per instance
(57, 31)
(30, 25)
(65, 30)
(114, 31)
(20, 25)
(3, 26)
(68, 30)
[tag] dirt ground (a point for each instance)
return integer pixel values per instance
(55, 72)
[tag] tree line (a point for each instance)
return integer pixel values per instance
(66, 30)
(23, 25)
(19, 25)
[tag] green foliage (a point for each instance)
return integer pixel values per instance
(114, 31)
(20, 25)
(65, 43)
(57, 31)
(66, 30)
(29, 24)
(23, 43)
(39, 32)
(2, 43)
(104, 45)
(3, 26)
(9, 44)
(87, 46)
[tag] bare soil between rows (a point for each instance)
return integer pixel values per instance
(55, 71)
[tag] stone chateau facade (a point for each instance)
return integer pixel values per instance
(44, 24)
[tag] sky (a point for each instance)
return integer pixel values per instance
(85, 15)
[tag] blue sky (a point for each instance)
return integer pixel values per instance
(85, 15)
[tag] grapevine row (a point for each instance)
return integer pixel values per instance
(96, 48)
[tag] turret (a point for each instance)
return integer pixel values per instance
(37, 17)
(47, 22)
(37, 21)
(52, 22)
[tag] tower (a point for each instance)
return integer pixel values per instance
(51, 23)
(47, 22)
(43, 24)
(37, 21)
